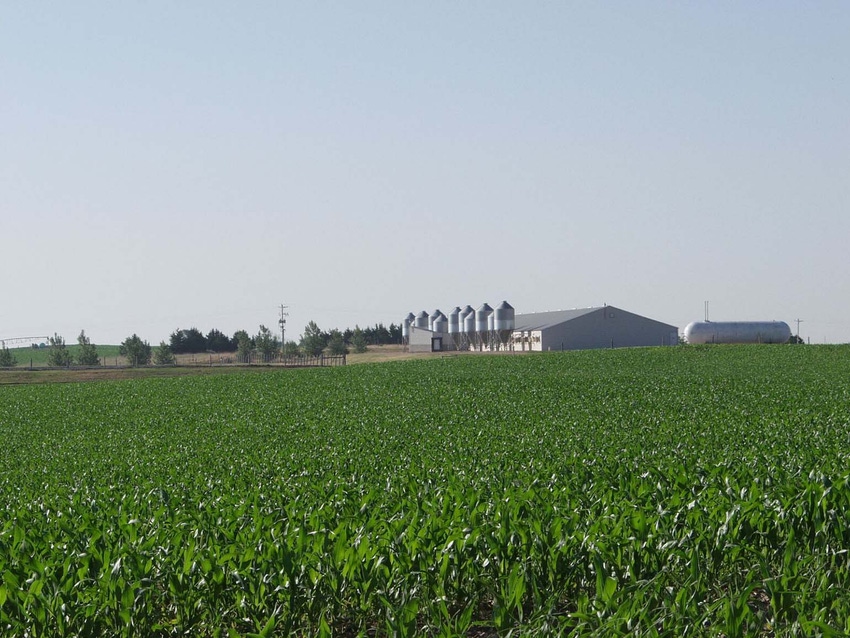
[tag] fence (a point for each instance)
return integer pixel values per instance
(208, 359)
(291, 361)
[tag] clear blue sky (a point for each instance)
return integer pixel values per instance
(168, 165)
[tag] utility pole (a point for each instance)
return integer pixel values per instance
(282, 322)
(798, 328)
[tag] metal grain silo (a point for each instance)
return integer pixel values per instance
(440, 323)
(405, 325)
(421, 320)
(504, 317)
(467, 320)
(737, 332)
(434, 316)
(482, 316)
(504, 323)
(454, 321)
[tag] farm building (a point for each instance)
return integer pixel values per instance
(587, 328)
(487, 329)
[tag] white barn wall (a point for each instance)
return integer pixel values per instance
(422, 340)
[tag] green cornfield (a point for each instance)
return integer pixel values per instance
(687, 491)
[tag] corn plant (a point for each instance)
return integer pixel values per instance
(695, 491)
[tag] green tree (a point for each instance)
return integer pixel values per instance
(87, 351)
(217, 341)
(313, 340)
(7, 358)
(243, 345)
(177, 341)
(195, 340)
(358, 340)
(188, 341)
(163, 355)
(266, 342)
(336, 344)
(291, 349)
(58, 356)
(137, 352)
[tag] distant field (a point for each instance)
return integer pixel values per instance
(109, 356)
(691, 491)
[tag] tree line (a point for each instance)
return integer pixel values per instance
(313, 342)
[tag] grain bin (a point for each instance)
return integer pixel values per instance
(454, 321)
(440, 323)
(405, 325)
(504, 317)
(468, 324)
(482, 316)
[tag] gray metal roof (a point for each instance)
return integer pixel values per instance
(543, 320)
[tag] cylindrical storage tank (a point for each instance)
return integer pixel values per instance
(405, 325)
(421, 320)
(504, 317)
(737, 332)
(434, 316)
(491, 322)
(440, 323)
(468, 323)
(454, 321)
(482, 316)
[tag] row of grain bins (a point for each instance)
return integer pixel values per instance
(486, 328)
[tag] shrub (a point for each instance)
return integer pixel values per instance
(7, 358)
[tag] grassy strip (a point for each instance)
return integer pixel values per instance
(37, 357)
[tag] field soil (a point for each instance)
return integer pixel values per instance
(35, 376)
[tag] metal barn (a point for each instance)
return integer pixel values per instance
(586, 328)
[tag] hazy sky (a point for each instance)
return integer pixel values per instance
(165, 165)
